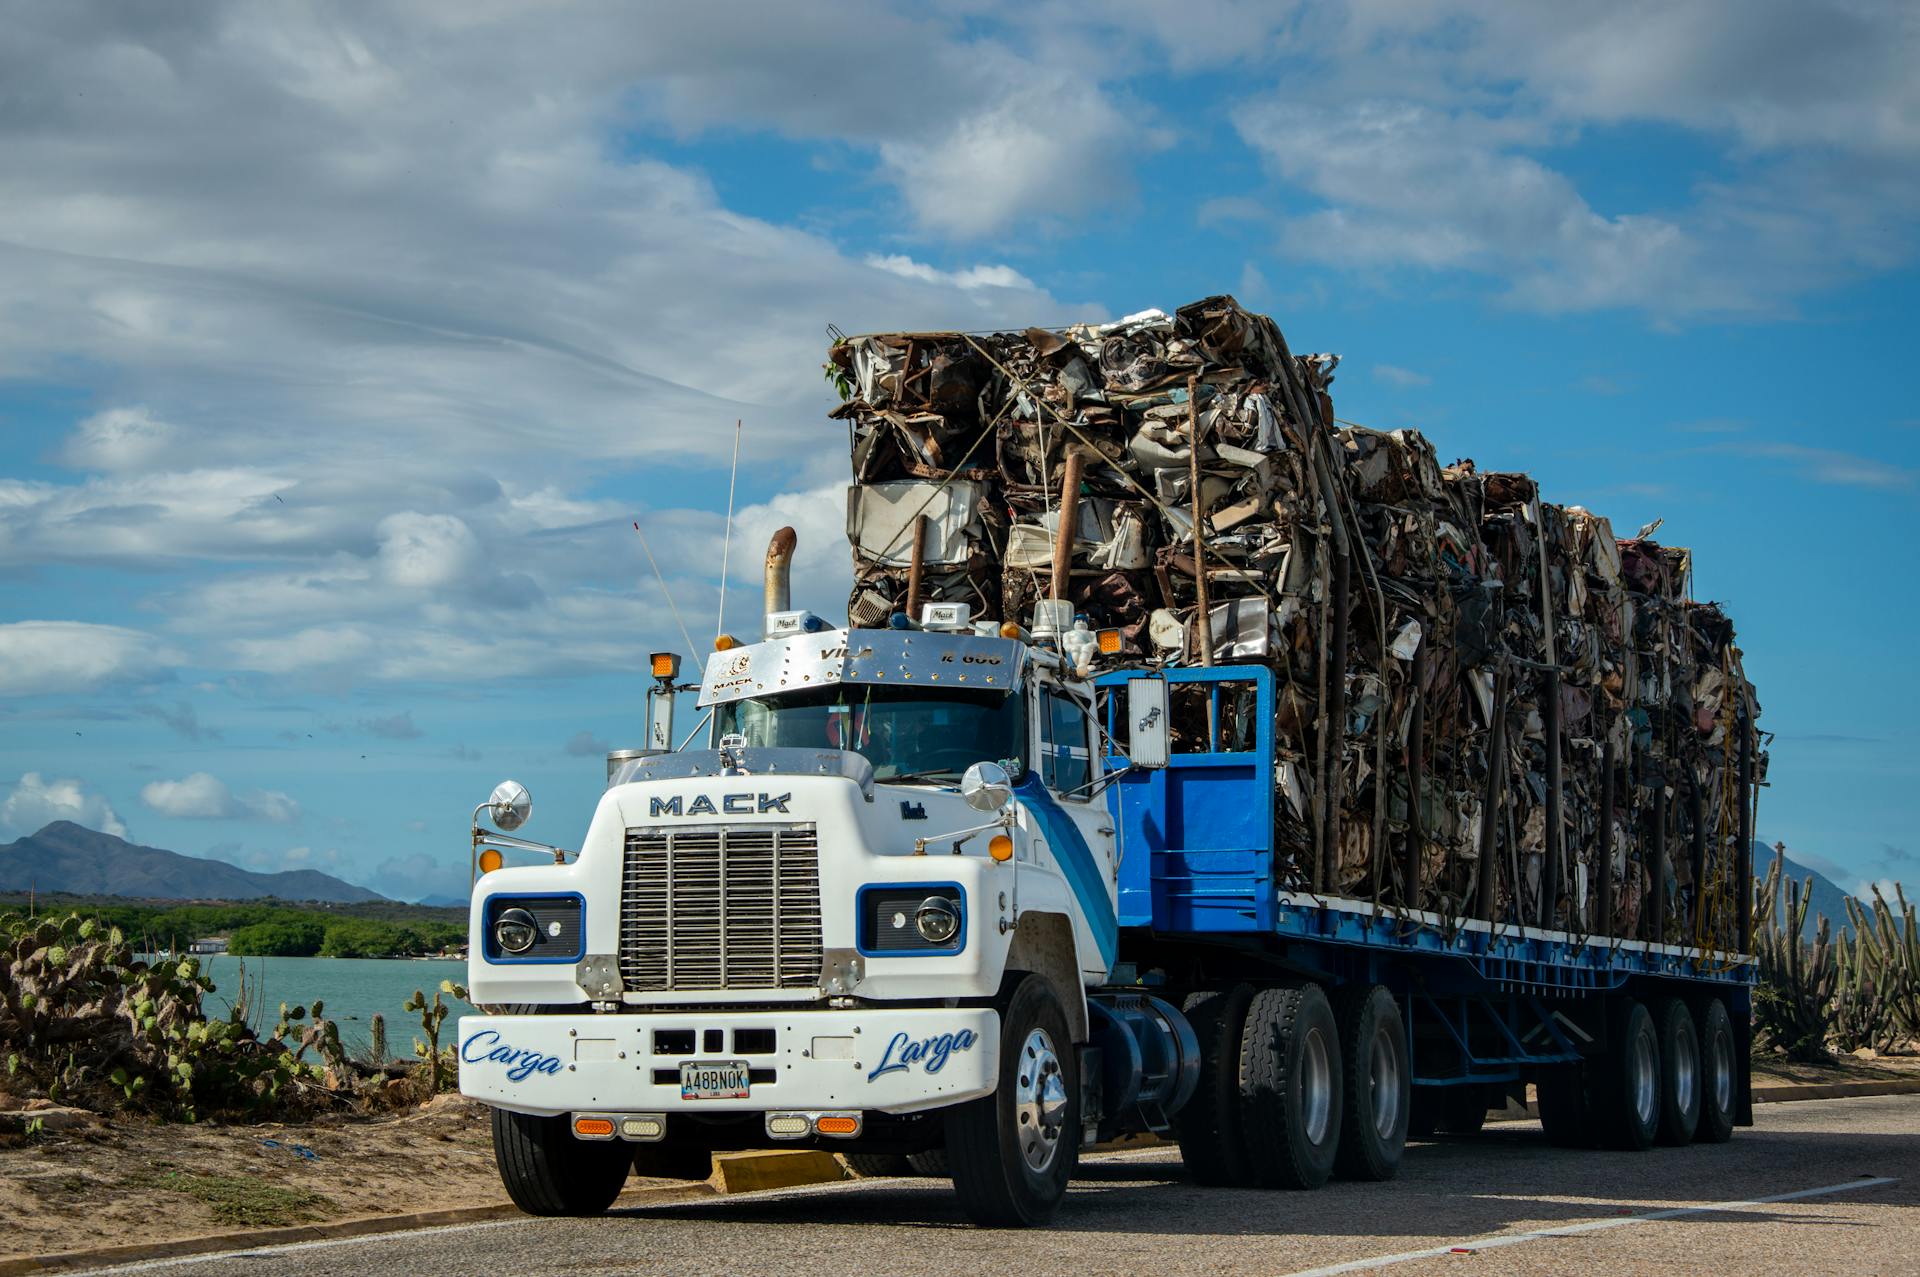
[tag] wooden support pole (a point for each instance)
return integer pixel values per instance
(1697, 809)
(1069, 521)
(915, 563)
(1336, 716)
(1658, 918)
(1496, 782)
(1203, 619)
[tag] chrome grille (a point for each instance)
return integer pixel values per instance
(721, 907)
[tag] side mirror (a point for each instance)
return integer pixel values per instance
(987, 787)
(509, 805)
(1147, 737)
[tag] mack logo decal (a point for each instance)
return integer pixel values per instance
(745, 804)
(931, 1054)
(485, 1047)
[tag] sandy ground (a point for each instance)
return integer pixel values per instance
(110, 1183)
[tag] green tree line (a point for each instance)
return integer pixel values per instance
(272, 929)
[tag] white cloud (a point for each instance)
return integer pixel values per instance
(426, 551)
(35, 802)
(203, 796)
(67, 656)
(1395, 375)
(971, 277)
(120, 439)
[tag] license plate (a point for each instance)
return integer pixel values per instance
(713, 1080)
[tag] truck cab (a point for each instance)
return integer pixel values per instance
(887, 886)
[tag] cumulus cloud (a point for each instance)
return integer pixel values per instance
(203, 796)
(970, 277)
(67, 656)
(120, 439)
(35, 802)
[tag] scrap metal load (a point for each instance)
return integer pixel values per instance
(1476, 690)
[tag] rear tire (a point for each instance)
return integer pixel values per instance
(1013, 1152)
(1213, 1143)
(879, 1165)
(1377, 1084)
(547, 1171)
(1626, 1079)
(933, 1164)
(1680, 1072)
(1290, 1073)
(1719, 1073)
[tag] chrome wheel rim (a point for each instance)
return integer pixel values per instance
(1316, 1087)
(1722, 1065)
(1642, 1079)
(1383, 1078)
(1686, 1071)
(1039, 1100)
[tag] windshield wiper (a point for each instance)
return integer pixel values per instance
(930, 776)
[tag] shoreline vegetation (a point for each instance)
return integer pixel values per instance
(268, 928)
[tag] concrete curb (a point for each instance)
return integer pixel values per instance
(1833, 1090)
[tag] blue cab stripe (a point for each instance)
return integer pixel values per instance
(1076, 864)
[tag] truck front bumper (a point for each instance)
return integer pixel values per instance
(872, 1059)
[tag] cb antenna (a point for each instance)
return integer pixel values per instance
(692, 651)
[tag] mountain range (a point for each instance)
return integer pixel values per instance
(70, 858)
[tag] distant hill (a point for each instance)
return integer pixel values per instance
(65, 857)
(443, 902)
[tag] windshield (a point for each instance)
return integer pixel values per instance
(902, 731)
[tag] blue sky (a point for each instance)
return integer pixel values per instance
(341, 346)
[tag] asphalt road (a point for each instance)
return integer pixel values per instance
(1135, 1213)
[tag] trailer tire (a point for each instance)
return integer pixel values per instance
(1013, 1152)
(1719, 1069)
(1564, 1113)
(1212, 1141)
(1626, 1079)
(546, 1171)
(1378, 1083)
(1290, 1075)
(1680, 1072)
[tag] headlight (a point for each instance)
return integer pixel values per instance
(515, 931)
(936, 920)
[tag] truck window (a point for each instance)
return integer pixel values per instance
(902, 731)
(1065, 752)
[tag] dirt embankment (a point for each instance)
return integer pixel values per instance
(81, 1181)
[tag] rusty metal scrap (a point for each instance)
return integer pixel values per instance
(1488, 705)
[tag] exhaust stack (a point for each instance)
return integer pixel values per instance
(780, 572)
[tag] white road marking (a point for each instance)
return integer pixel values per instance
(1574, 1230)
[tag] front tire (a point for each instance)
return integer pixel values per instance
(547, 1171)
(1290, 1087)
(1373, 1046)
(1012, 1152)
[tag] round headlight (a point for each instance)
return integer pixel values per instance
(515, 931)
(937, 920)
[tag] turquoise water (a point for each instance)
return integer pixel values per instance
(352, 988)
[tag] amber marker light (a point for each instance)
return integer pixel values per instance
(1000, 847)
(490, 860)
(1109, 641)
(1010, 630)
(838, 1126)
(665, 664)
(592, 1127)
(726, 642)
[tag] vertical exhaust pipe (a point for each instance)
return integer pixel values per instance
(780, 571)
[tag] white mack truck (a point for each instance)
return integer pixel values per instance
(918, 905)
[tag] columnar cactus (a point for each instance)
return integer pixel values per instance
(1793, 1002)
